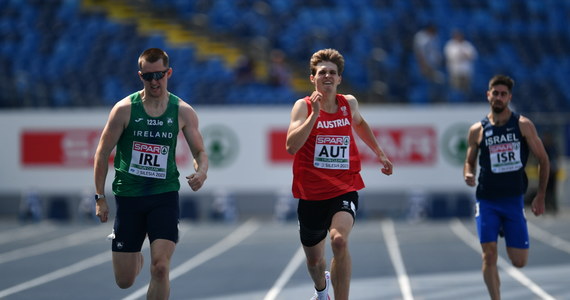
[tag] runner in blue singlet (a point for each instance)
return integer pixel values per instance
(501, 142)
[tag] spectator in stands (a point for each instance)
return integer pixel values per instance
(244, 71)
(279, 72)
(427, 49)
(326, 171)
(428, 52)
(145, 127)
(501, 142)
(460, 56)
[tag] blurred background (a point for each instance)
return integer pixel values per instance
(420, 69)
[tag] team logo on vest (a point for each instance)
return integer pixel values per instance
(222, 145)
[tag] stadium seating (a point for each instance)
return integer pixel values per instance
(60, 54)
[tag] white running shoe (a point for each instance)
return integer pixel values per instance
(324, 293)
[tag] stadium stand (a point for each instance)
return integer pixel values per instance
(72, 53)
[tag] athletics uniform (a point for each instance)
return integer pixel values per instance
(146, 180)
(502, 183)
(326, 172)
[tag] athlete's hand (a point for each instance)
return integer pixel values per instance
(388, 167)
(102, 210)
(316, 99)
(196, 180)
(537, 204)
(469, 179)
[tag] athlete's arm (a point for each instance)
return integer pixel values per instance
(188, 120)
(534, 142)
(301, 125)
(470, 166)
(363, 130)
(117, 122)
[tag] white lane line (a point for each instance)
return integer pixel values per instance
(53, 245)
(471, 240)
(290, 269)
(548, 238)
(24, 232)
(231, 240)
(396, 258)
(72, 269)
(69, 270)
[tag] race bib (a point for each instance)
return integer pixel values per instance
(332, 152)
(505, 157)
(149, 160)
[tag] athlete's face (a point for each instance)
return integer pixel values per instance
(499, 97)
(326, 77)
(154, 77)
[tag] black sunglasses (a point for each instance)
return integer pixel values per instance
(149, 76)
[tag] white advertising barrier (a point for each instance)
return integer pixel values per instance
(52, 150)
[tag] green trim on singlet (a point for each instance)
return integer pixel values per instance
(160, 134)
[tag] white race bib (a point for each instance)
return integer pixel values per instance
(149, 160)
(505, 157)
(332, 152)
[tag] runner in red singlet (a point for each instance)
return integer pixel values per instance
(326, 171)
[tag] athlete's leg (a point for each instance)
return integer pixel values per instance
(516, 233)
(316, 263)
(160, 251)
(490, 271)
(126, 266)
(518, 256)
(341, 265)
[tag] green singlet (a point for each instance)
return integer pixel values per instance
(145, 160)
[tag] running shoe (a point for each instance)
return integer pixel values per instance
(325, 291)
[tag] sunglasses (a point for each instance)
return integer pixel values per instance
(149, 76)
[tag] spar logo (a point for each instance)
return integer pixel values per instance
(149, 148)
(333, 140)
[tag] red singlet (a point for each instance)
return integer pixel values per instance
(328, 164)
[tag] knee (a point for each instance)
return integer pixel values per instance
(313, 261)
(339, 244)
(159, 270)
(519, 262)
(124, 283)
(490, 258)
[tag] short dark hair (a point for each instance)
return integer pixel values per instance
(502, 80)
(331, 55)
(153, 55)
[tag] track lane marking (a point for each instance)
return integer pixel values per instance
(471, 240)
(287, 273)
(396, 258)
(230, 241)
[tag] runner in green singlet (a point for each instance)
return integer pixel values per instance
(144, 127)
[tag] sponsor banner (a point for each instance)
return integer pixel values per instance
(406, 145)
(73, 148)
(58, 148)
(54, 150)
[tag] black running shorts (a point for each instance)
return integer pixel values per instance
(315, 217)
(155, 215)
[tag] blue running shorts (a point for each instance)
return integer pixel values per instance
(506, 214)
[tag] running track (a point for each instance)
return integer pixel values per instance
(254, 259)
